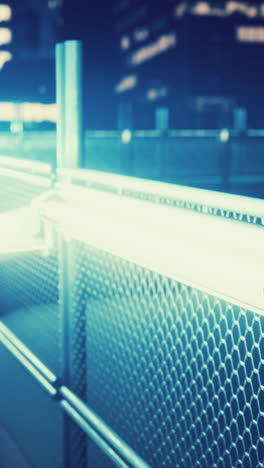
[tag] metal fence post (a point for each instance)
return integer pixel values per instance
(60, 99)
(73, 104)
(69, 155)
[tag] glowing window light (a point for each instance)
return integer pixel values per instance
(7, 111)
(230, 7)
(250, 34)
(5, 57)
(181, 9)
(244, 8)
(202, 8)
(16, 127)
(126, 136)
(164, 43)
(153, 94)
(27, 112)
(126, 83)
(141, 34)
(125, 43)
(36, 112)
(5, 36)
(224, 135)
(5, 13)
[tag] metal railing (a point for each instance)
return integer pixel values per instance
(143, 320)
(195, 158)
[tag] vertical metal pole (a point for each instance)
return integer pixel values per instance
(161, 160)
(73, 103)
(69, 156)
(62, 246)
(76, 308)
(60, 100)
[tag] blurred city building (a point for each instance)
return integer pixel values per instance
(29, 30)
(201, 59)
(36, 25)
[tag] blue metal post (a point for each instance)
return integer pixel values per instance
(73, 103)
(69, 155)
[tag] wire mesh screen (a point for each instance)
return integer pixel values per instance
(29, 303)
(176, 372)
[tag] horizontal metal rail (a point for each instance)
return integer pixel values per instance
(165, 193)
(108, 441)
(50, 136)
(25, 165)
(30, 366)
(82, 423)
(106, 433)
(202, 251)
(34, 179)
(28, 355)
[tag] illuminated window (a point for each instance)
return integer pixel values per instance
(36, 112)
(125, 43)
(141, 34)
(250, 34)
(202, 8)
(5, 36)
(5, 57)
(126, 83)
(224, 135)
(242, 7)
(7, 111)
(181, 9)
(228, 9)
(28, 112)
(5, 13)
(126, 136)
(154, 94)
(163, 43)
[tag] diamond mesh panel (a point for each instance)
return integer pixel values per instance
(16, 193)
(29, 304)
(81, 449)
(176, 372)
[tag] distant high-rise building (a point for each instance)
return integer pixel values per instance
(36, 27)
(6, 33)
(198, 58)
(29, 30)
